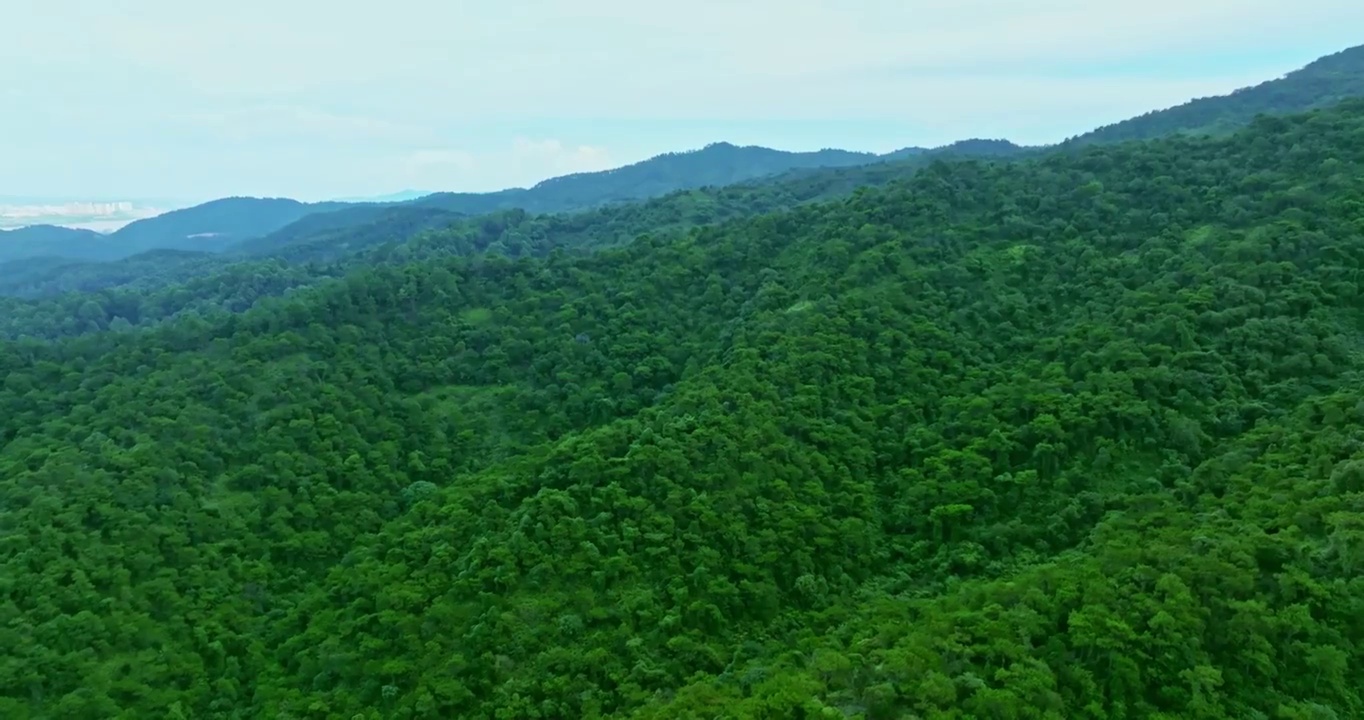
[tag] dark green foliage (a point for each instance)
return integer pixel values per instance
(46, 276)
(1077, 437)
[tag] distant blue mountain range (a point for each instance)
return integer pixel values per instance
(400, 196)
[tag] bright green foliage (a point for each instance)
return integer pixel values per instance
(1081, 437)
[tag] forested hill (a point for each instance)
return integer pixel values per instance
(716, 164)
(214, 225)
(259, 230)
(151, 286)
(257, 227)
(719, 163)
(211, 226)
(254, 226)
(37, 240)
(1321, 83)
(1078, 437)
(146, 289)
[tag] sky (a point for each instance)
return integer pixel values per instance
(315, 99)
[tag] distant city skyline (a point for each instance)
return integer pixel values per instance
(102, 216)
(312, 100)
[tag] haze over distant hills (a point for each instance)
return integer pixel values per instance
(98, 215)
(218, 225)
(241, 228)
(210, 227)
(400, 196)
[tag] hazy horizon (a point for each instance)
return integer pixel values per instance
(162, 99)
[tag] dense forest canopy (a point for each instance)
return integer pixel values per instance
(1080, 436)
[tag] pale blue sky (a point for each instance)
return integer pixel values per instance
(314, 99)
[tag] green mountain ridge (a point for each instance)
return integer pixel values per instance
(1321, 83)
(1075, 436)
(244, 225)
(717, 164)
(210, 227)
(220, 224)
(36, 241)
(155, 288)
(400, 196)
(346, 235)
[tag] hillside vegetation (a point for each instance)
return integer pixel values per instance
(335, 232)
(1321, 83)
(1075, 437)
(149, 288)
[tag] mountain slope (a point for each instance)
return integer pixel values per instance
(714, 165)
(346, 235)
(1321, 83)
(258, 225)
(342, 232)
(403, 234)
(146, 272)
(40, 240)
(209, 227)
(214, 225)
(658, 182)
(1077, 437)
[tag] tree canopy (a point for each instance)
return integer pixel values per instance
(1080, 436)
